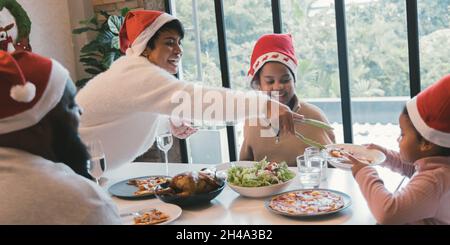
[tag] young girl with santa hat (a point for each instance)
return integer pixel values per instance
(124, 105)
(424, 157)
(273, 69)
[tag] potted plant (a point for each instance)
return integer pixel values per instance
(98, 55)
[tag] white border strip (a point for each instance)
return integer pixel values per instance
(50, 98)
(291, 64)
(141, 41)
(434, 136)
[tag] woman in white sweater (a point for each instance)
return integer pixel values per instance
(124, 105)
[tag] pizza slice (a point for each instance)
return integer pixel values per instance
(339, 154)
(150, 218)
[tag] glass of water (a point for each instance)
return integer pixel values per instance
(97, 163)
(316, 154)
(164, 142)
(309, 172)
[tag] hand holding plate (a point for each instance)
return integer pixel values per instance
(357, 164)
(376, 147)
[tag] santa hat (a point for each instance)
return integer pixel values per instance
(430, 112)
(30, 87)
(273, 47)
(139, 27)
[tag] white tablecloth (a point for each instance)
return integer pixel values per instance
(229, 208)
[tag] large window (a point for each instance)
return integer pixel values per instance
(379, 71)
(201, 53)
(201, 64)
(376, 64)
(434, 34)
(312, 24)
(255, 17)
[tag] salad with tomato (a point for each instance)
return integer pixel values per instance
(263, 173)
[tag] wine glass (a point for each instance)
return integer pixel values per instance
(164, 142)
(97, 163)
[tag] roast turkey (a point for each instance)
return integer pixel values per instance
(191, 183)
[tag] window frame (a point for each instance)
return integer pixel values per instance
(413, 54)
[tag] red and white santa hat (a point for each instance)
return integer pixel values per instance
(30, 87)
(139, 27)
(429, 112)
(273, 47)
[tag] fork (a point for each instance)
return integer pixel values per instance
(399, 185)
(137, 213)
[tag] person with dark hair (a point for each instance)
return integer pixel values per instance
(43, 163)
(273, 69)
(124, 106)
(424, 156)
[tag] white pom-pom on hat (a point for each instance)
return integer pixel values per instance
(30, 87)
(13, 78)
(23, 92)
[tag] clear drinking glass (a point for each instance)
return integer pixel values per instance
(97, 163)
(315, 154)
(309, 172)
(164, 142)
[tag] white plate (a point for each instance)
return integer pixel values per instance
(345, 198)
(375, 156)
(172, 210)
(126, 191)
(262, 191)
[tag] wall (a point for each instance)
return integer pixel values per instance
(54, 20)
(154, 4)
(51, 30)
(114, 6)
(80, 10)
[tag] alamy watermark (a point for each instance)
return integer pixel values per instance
(225, 107)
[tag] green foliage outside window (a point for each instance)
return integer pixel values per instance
(377, 42)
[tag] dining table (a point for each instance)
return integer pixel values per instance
(230, 208)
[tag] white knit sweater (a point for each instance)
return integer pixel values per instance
(123, 106)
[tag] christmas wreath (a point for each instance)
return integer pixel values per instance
(23, 23)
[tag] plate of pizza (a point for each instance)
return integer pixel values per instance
(308, 202)
(138, 188)
(336, 155)
(150, 214)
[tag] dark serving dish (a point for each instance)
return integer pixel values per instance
(195, 199)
